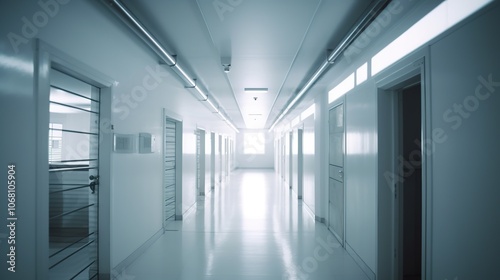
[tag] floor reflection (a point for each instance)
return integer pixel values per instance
(250, 227)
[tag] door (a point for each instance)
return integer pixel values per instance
(219, 158)
(336, 206)
(169, 165)
(73, 178)
(226, 150)
(213, 167)
(283, 157)
(200, 161)
(290, 159)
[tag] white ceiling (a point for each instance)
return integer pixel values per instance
(274, 44)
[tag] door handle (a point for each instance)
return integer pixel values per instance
(341, 173)
(94, 182)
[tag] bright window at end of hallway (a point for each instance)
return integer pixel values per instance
(254, 143)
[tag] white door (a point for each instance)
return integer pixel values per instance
(336, 207)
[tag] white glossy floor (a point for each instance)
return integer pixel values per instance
(252, 227)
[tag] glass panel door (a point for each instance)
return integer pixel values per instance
(73, 178)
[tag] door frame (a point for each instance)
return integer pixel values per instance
(389, 85)
(399, 210)
(178, 160)
(46, 58)
(341, 101)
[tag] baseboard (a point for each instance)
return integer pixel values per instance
(308, 210)
(256, 168)
(360, 262)
(186, 213)
(335, 234)
(120, 268)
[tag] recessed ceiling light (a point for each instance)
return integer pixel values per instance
(256, 90)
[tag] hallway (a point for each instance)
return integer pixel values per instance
(253, 227)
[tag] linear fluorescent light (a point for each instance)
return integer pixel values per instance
(295, 121)
(437, 21)
(227, 121)
(222, 115)
(256, 90)
(150, 38)
(213, 106)
(362, 74)
(201, 93)
(342, 88)
(369, 16)
(133, 23)
(233, 127)
(308, 112)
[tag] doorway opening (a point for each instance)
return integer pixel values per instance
(409, 188)
(403, 127)
(172, 169)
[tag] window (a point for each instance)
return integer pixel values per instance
(254, 143)
(55, 142)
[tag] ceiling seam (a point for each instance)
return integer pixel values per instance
(294, 60)
(366, 19)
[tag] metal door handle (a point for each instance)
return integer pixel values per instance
(94, 182)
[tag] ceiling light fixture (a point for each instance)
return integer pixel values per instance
(226, 64)
(171, 60)
(213, 106)
(256, 90)
(201, 93)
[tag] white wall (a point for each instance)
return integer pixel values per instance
(18, 146)
(288, 162)
(463, 229)
(295, 162)
(103, 44)
(217, 162)
(254, 160)
(321, 145)
(466, 197)
(189, 190)
(208, 162)
(360, 169)
(309, 167)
